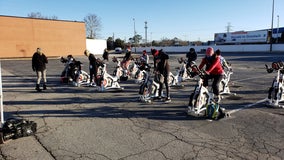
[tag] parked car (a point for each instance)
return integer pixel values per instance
(118, 50)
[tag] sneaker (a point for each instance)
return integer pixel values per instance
(167, 100)
(92, 84)
(159, 97)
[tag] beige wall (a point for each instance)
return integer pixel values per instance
(19, 37)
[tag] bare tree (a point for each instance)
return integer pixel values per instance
(40, 16)
(93, 25)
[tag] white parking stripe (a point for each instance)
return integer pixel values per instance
(247, 106)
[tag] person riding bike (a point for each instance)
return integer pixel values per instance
(144, 60)
(214, 70)
(69, 63)
(191, 56)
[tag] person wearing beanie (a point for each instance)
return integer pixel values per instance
(162, 70)
(191, 56)
(214, 70)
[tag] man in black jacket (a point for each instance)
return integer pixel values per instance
(39, 62)
(93, 67)
(162, 69)
(191, 56)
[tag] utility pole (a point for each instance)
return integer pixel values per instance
(113, 40)
(277, 28)
(134, 38)
(229, 27)
(272, 26)
(146, 33)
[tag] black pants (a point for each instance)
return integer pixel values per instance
(166, 77)
(216, 82)
(93, 74)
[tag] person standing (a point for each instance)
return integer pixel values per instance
(126, 59)
(162, 69)
(92, 66)
(105, 54)
(39, 61)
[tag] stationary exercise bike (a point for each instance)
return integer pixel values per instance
(120, 72)
(224, 84)
(201, 101)
(184, 72)
(275, 93)
(149, 89)
(107, 81)
(138, 71)
(73, 73)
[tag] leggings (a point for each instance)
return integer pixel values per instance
(166, 77)
(216, 82)
(93, 75)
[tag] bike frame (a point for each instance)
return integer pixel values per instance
(201, 97)
(224, 84)
(109, 82)
(277, 90)
(151, 89)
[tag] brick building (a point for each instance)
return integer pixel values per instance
(21, 36)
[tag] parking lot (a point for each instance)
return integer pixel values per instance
(82, 123)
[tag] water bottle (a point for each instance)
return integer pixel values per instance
(102, 85)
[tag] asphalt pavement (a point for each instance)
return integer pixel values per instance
(84, 124)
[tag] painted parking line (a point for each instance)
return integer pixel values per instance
(247, 106)
(245, 79)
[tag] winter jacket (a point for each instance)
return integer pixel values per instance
(39, 62)
(213, 65)
(191, 56)
(93, 61)
(160, 63)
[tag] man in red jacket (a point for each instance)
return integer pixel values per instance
(214, 70)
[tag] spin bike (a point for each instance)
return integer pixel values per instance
(73, 72)
(275, 93)
(119, 72)
(201, 98)
(183, 71)
(107, 81)
(149, 89)
(182, 74)
(224, 84)
(138, 71)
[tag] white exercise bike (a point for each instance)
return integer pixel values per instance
(275, 93)
(224, 84)
(201, 101)
(149, 89)
(183, 71)
(120, 72)
(108, 82)
(138, 71)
